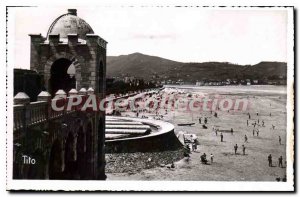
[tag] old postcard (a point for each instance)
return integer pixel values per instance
(150, 98)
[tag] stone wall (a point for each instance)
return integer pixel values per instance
(163, 140)
(64, 144)
(86, 55)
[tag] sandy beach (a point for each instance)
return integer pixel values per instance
(228, 166)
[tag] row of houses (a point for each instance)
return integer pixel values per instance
(279, 81)
(227, 82)
(271, 81)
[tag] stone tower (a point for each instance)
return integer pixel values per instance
(71, 56)
(70, 42)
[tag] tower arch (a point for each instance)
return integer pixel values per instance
(71, 41)
(61, 59)
(56, 160)
(70, 170)
(60, 78)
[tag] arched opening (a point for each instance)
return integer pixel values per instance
(70, 154)
(80, 150)
(101, 152)
(56, 161)
(62, 76)
(37, 171)
(17, 163)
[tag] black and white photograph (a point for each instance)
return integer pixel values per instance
(150, 98)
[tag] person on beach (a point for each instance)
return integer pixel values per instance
(257, 113)
(279, 138)
(258, 121)
(235, 148)
(263, 123)
(231, 130)
(221, 137)
(205, 120)
(211, 158)
(194, 144)
(216, 115)
(270, 114)
(249, 116)
(257, 132)
(192, 140)
(270, 160)
(247, 123)
(253, 132)
(273, 126)
(172, 165)
(203, 158)
(217, 132)
(244, 149)
(200, 120)
(246, 138)
(280, 161)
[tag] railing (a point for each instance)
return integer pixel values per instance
(19, 116)
(56, 114)
(30, 114)
(37, 112)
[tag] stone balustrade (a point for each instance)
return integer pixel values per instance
(28, 113)
(37, 112)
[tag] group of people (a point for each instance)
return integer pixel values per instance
(215, 130)
(193, 141)
(280, 161)
(256, 130)
(204, 159)
(205, 120)
(236, 148)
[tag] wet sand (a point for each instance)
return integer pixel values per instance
(253, 166)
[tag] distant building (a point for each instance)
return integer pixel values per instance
(248, 82)
(277, 82)
(228, 81)
(200, 83)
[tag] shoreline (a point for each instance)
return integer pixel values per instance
(253, 166)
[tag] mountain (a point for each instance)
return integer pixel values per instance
(150, 67)
(137, 63)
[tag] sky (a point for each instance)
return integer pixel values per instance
(244, 36)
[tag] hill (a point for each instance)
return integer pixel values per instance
(152, 67)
